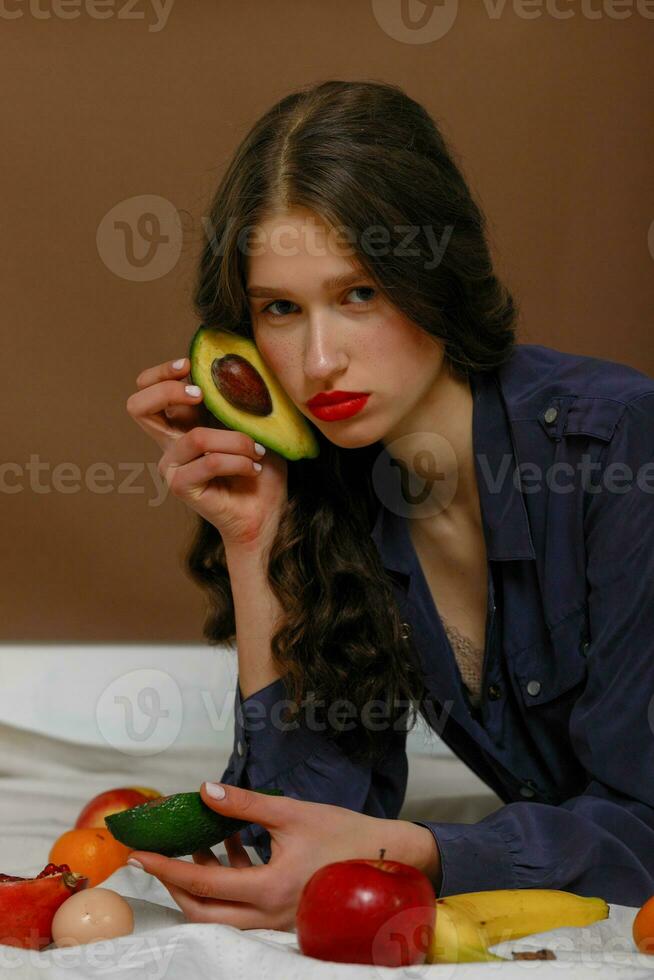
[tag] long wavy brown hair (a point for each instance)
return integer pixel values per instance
(357, 154)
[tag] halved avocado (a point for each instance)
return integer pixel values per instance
(239, 389)
(175, 825)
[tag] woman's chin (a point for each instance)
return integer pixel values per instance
(351, 439)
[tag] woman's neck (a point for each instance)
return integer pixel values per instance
(434, 442)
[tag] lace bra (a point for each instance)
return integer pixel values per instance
(469, 660)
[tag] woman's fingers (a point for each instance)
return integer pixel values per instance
(266, 809)
(206, 857)
(204, 441)
(242, 916)
(203, 454)
(163, 407)
(157, 397)
(182, 414)
(238, 856)
(186, 417)
(211, 881)
(191, 480)
(161, 372)
(147, 407)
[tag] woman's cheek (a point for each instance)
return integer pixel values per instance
(278, 356)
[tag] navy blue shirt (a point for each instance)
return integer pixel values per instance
(564, 733)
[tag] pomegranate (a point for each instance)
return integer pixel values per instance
(28, 905)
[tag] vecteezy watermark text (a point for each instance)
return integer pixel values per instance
(143, 712)
(616, 477)
(341, 715)
(148, 955)
(425, 21)
(141, 238)
(93, 9)
(42, 477)
(341, 240)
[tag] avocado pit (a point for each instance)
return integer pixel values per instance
(239, 382)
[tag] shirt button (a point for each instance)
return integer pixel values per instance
(533, 688)
(494, 692)
(405, 630)
(528, 790)
(239, 747)
(551, 414)
(585, 647)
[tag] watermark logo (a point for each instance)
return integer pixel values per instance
(141, 238)
(416, 475)
(415, 21)
(406, 936)
(141, 712)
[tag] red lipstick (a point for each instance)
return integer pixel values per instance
(331, 406)
(329, 397)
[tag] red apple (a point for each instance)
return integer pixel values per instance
(112, 801)
(367, 911)
(147, 791)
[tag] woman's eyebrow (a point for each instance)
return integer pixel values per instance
(335, 282)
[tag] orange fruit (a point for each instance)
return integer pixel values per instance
(90, 851)
(643, 927)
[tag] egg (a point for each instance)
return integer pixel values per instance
(91, 915)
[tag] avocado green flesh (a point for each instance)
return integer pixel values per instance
(175, 825)
(285, 429)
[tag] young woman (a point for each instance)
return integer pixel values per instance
(475, 540)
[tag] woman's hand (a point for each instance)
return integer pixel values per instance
(304, 837)
(205, 464)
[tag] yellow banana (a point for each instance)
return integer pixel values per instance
(457, 938)
(510, 913)
(468, 923)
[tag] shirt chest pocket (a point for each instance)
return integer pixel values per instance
(556, 666)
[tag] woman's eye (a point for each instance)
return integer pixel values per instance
(287, 302)
(266, 309)
(370, 289)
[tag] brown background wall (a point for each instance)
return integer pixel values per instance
(551, 120)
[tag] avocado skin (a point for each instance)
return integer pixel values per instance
(175, 825)
(285, 430)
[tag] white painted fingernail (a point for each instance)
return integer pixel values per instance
(215, 791)
(178, 365)
(135, 863)
(192, 390)
(258, 448)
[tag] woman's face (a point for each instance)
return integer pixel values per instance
(319, 336)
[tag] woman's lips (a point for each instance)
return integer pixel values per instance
(339, 410)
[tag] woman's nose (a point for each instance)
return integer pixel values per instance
(324, 354)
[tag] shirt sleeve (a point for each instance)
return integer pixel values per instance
(300, 759)
(601, 842)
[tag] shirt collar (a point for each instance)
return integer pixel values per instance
(391, 535)
(504, 514)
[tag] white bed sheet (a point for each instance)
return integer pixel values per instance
(44, 782)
